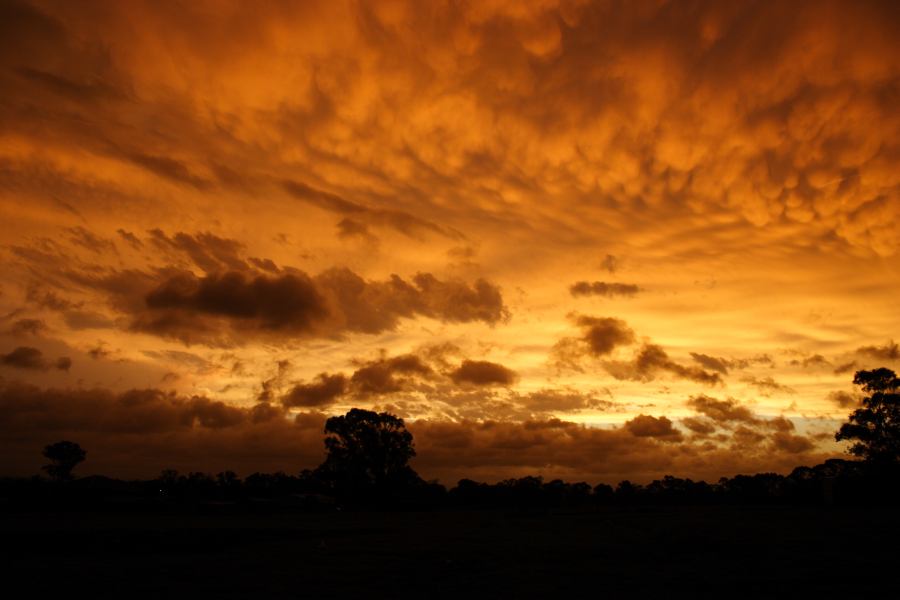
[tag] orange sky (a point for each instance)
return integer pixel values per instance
(588, 240)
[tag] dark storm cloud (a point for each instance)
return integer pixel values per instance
(348, 228)
(812, 361)
(206, 308)
(890, 351)
(655, 427)
(843, 399)
(722, 411)
(767, 385)
(603, 334)
(388, 375)
(26, 357)
(561, 400)
(712, 363)
(325, 389)
(699, 426)
(600, 288)
(482, 372)
(28, 327)
(650, 359)
(290, 302)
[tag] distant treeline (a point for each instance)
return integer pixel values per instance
(835, 482)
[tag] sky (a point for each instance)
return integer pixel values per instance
(592, 240)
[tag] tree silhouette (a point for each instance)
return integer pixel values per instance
(875, 426)
(63, 456)
(367, 452)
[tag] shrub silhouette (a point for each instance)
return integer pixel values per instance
(63, 457)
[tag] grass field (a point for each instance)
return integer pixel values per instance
(691, 551)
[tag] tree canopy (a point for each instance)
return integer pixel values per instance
(368, 451)
(875, 426)
(63, 457)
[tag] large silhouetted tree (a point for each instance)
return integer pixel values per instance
(63, 456)
(875, 426)
(367, 452)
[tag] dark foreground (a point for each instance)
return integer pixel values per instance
(607, 552)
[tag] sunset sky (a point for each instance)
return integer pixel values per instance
(588, 240)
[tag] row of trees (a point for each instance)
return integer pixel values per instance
(368, 458)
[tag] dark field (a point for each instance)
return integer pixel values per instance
(608, 552)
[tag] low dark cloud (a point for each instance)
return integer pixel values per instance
(325, 389)
(724, 365)
(722, 411)
(843, 399)
(600, 288)
(562, 400)
(290, 302)
(889, 351)
(699, 426)
(720, 365)
(26, 357)
(482, 372)
(651, 359)
(767, 385)
(812, 361)
(655, 427)
(388, 375)
(23, 327)
(230, 307)
(603, 334)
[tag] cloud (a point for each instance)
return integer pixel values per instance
(388, 375)
(722, 411)
(209, 252)
(482, 372)
(28, 327)
(234, 307)
(843, 399)
(890, 351)
(649, 426)
(767, 385)
(599, 288)
(603, 334)
(325, 389)
(26, 357)
(651, 359)
(712, 363)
